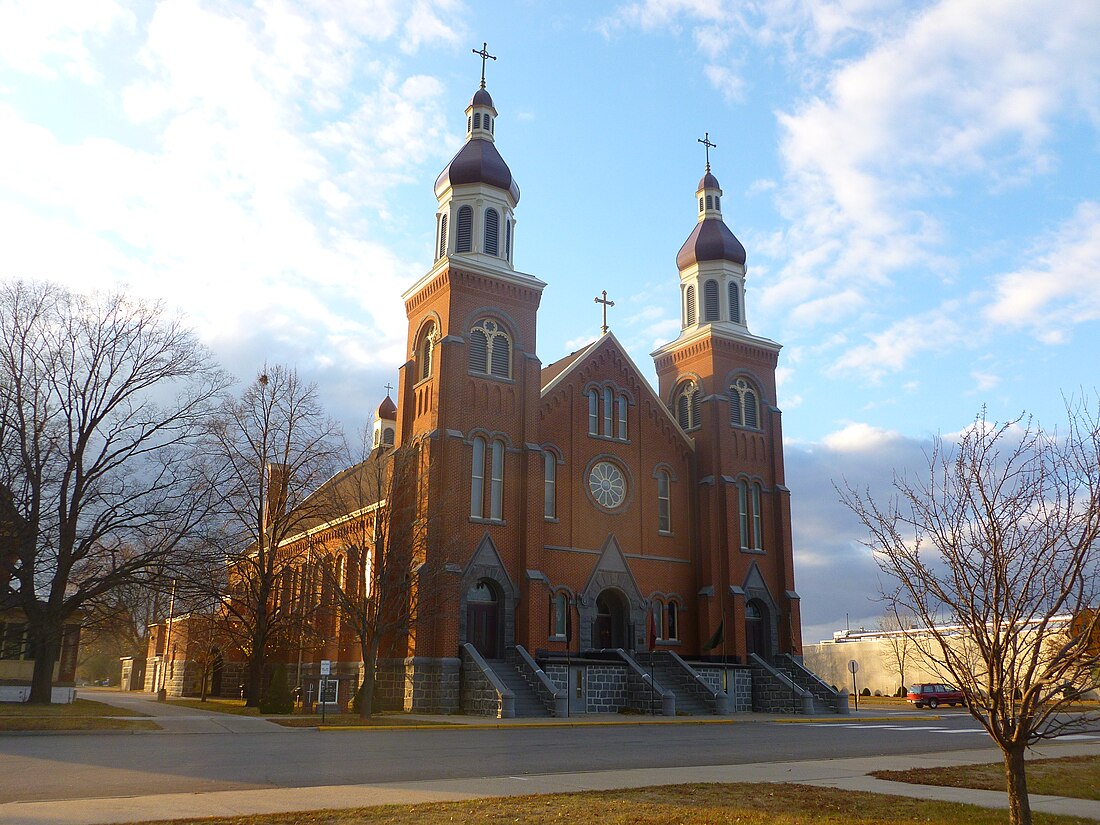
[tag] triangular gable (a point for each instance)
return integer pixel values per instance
(588, 352)
(611, 570)
(486, 563)
(756, 588)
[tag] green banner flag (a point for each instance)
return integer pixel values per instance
(716, 639)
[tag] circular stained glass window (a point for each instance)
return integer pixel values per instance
(607, 485)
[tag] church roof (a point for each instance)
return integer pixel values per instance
(478, 161)
(711, 240)
(552, 371)
(708, 181)
(481, 98)
(387, 409)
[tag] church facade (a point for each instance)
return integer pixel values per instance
(608, 542)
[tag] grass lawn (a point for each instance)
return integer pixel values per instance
(234, 706)
(755, 804)
(1076, 776)
(83, 714)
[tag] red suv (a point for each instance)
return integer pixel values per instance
(934, 695)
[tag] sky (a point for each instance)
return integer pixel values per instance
(916, 184)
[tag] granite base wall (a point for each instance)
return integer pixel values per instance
(479, 696)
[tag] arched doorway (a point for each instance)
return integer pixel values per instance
(483, 618)
(610, 629)
(756, 629)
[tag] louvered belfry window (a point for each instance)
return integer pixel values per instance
(492, 232)
(508, 240)
(735, 303)
(490, 349)
(465, 236)
(687, 407)
(744, 405)
(443, 236)
(700, 203)
(477, 120)
(683, 412)
(710, 301)
(689, 309)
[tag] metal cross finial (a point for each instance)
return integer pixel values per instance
(706, 141)
(606, 303)
(484, 55)
(389, 389)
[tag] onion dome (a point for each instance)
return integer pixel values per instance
(711, 240)
(387, 410)
(478, 161)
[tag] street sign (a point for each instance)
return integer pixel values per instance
(326, 667)
(853, 666)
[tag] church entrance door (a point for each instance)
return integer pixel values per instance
(483, 618)
(610, 630)
(756, 629)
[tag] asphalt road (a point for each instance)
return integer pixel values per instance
(37, 768)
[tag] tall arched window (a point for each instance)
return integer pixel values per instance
(550, 484)
(464, 237)
(387, 436)
(735, 302)
(559, 615)
(757, 526)
(687, 406)
(658, 620)
(496, 482)
(623, 405)
(477, 479)
(673, 621)
(508, 240)
(426, 351)
(689, 305)
(664, 502)
(492, 232)
(743, 512)
(490, 349)
(744, 407)
(608, 411)
(593, 412)
(748, 502)
(443, 235)
(710, 301)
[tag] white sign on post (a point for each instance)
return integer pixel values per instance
(326, 667)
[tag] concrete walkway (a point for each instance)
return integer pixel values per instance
(848, 774)
(175, 719)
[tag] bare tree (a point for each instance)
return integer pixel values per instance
(900, 645)
(374, 562)
(101, 399)
(995, 552)
(274, 446)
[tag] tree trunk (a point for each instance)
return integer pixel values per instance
(254, 684)
(370, 664)
(47, 647)
(1019, 807)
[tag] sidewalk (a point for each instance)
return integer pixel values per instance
(849, 774)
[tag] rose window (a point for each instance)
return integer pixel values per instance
(607, 485)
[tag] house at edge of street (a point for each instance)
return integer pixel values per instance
(581, 518)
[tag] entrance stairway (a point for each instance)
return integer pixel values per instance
(528, 702)
(692, 698)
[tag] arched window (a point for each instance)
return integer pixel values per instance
(743, 511)
(689, 305)
(559, 615)
(464, 237)
(744, 407)
(496, 482)
(492, 232)
(687, 406)
(608, 411)
(710, 201)
(700, 203)
(477, 479)
(443, 235)
(623, 405)
(717, 202)
(508, 240)
(673, 621)
(735, 302)
(757, 531)
(426, 351)
(490, 349)
(477, 120)
(658, 620)
(593, 412)
(664, 502)
(710, 301)
(387, 437)
(550, 483)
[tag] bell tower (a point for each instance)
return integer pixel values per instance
(718, 380)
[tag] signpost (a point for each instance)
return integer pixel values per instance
(322, 693)
(853, 667)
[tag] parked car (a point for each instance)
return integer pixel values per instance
(934, 695)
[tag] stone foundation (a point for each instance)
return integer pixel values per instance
(432, 685)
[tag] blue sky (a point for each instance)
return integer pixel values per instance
(916, 185)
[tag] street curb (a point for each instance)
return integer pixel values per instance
(510, 725)
(855, 721)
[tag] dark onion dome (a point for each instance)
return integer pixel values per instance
(708, 181)
(481, 98)
(387, 410)
(478, 161)
(711, 240)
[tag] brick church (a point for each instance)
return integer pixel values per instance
(603, 543)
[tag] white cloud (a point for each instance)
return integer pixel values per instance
(860, 438)
(41, 39)
(1061, 287)
(893, 348)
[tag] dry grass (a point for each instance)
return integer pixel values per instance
(82, 714)
(233, 706)
(1076, 776)
(747, 804)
